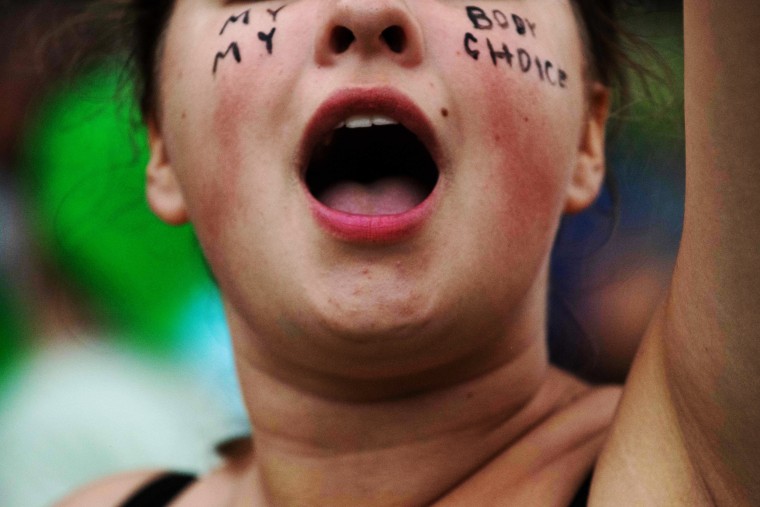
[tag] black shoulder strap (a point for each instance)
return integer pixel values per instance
(160, 491)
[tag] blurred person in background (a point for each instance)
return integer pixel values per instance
(93, 376)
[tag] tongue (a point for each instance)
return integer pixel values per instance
(387, 196)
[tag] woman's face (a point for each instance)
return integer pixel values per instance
(386, 249)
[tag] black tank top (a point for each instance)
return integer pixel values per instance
(160, 491)
(165, 488)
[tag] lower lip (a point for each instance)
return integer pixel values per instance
(372, 229)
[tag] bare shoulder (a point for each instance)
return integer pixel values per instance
(213, 488)
(110, 491)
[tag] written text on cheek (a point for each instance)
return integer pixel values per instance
(518, 58)
(234, 48)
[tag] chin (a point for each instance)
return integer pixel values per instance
(374, 315)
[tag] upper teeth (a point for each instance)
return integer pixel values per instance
(364, 121)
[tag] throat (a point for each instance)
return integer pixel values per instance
(396, 451)
(469, 465)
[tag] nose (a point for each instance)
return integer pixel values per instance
(369, 29)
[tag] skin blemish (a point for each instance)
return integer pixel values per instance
(244, 17)
(444, 112)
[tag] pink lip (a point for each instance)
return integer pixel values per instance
(369, 228)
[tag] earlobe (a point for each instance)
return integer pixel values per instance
(162, 188)
(589, 171)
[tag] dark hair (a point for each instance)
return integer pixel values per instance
(145, 22)
(603, 37)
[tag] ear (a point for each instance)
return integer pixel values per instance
(162, 188)
(590, 166)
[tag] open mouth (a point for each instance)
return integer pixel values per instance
(370, 164)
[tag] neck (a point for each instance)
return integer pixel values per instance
(407, 450)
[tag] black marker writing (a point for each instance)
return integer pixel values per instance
(221, 56)
(500, 18)
(525, 61)
(267, 38)
(521, 23)
(505, 53)
(273, 13)
(245, 18)
(548, 66)
(482, 21)
(562, 78)
(234, 19)
(468, 38)
(495, 19)
(546, 70)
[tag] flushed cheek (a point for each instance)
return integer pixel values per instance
(212, 160)
(529, 152)
(521, 199)
(233, 131)
(530, 145)
(244, 98)
(236, 156)
(244, 80)
(523, 71)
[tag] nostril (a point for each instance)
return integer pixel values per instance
(341, 38)
(395, 38)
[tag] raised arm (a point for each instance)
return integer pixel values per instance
(688, 431)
